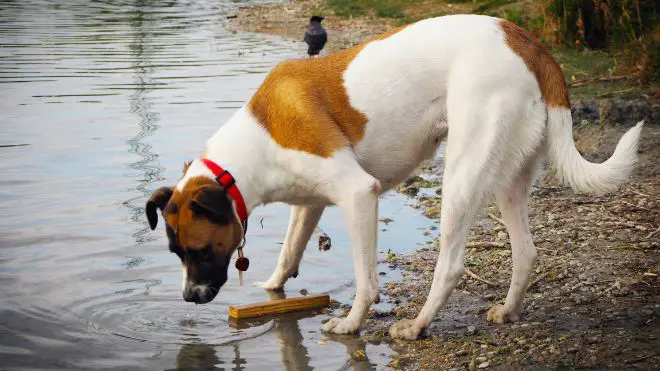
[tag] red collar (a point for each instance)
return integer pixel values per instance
(227, 180)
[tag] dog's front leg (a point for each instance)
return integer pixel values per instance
(359, 204)
(301, 226)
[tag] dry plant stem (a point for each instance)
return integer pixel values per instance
(538, 279)
(653, 234)
(471, 274)
(485, 244)
(496, 218)
(633, 205)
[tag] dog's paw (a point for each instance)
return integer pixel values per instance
(340, 326)
(405, 329)
(499, 314)
(270, 285)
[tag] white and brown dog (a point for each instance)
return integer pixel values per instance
(342, 129)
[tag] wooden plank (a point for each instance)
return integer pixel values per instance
(278, 306)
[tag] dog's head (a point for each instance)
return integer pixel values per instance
(203, 231)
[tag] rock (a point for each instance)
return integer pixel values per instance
(471, 330)
(461, 353)
(303, 292)
(481, 359)
(655, 113)
(484, 365)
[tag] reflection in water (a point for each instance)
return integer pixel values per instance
(197, 357)
(141, 106)
(92, 86)
(293, 353)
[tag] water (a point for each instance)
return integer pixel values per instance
(101, 103)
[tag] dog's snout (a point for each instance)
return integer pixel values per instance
(199, 294)
(190, 293)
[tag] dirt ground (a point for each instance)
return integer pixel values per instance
(593, 300)
(594, 296)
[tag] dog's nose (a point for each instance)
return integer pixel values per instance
(199, 294)
(190, 293)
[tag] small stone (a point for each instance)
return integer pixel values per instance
(572, 350)
(481, 359)
(461, 353)
(303, 292)
(471, 330)
(490, 296)
(484, 365)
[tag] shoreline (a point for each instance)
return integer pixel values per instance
(594, 296)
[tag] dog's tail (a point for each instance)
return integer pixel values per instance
(580, 174)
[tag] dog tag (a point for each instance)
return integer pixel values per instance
(242, 263)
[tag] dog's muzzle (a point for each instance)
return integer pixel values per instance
(199, 294)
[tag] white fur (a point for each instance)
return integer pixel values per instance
(579, 173)
(451, 76)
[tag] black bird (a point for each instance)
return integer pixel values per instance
(315, 36)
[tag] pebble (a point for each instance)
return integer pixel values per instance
(484, 365)
(461, 352)
(471, 330)
(481, 359)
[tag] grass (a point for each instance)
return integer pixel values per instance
(578, 66)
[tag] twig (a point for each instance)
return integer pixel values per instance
(652, 234)
(633, 205)
(638, 193)
(471, 274)
(496, 219)
(485, 244)
(544, 249)
(577, 83)
(638, 359)
(610, 93)
(538, 279)
(550, 188)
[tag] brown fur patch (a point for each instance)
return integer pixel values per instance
(304, 106)
(194, 232)
(540, 62)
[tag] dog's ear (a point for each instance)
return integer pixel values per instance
(158, 200)
(212, 202)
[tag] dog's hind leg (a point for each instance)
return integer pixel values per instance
(513, 205)
(487, 145)
(302, 222)
(460, 202)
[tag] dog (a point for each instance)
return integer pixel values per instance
(342, 129)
